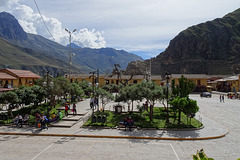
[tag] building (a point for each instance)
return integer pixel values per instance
(12, 78)
(105, 79)
(228, 84)
(200, 80)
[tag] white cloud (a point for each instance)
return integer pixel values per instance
(136, 25)
(32, 23)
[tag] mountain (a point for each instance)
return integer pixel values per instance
(207, 48)
(53, 55)
(24, 58)
(73, 45)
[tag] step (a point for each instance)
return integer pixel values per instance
(67, 124)
(71, 118)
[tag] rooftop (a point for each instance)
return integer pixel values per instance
(20, 73)
(5, 76)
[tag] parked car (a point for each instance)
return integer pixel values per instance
(206, 94)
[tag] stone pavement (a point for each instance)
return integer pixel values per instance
(210, 130)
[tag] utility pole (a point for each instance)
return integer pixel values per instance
(70, 63)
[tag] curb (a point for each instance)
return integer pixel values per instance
(116, 137)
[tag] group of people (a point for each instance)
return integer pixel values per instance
(41, 121)
(128, 122)
(67, 108)
(93, 103)
(19, 120)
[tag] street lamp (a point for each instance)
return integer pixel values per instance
(167, 78)
(70, 35)
(49, 85)
(93, 92)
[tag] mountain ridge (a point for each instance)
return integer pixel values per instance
(84, 60)
(212, 47)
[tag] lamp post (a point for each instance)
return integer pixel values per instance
(167, 78)
(93, 83)
(70, 36)
(49, 85)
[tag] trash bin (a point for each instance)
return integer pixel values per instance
(94, 119)
(103, 119)
(99, 119)
(118, 109)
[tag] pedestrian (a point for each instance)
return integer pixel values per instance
(20, 120)
(66, 109)
(91, 103)
(130, 123)
(223, 98)
(125, 123)
(220, 97)
(95, 103)
(43, 122)
(37, 117)
(74, 108)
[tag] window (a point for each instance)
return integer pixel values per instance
(135, 81)
(112, 82)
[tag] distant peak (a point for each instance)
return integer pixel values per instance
(10, 28)
(73, 45)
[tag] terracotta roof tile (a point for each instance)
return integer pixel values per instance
(6, 76)
(21, 73)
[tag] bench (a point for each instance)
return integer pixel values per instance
(24, 122)
(121, 126)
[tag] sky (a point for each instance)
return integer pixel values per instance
(143, 27)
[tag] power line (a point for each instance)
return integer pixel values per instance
(43, 20)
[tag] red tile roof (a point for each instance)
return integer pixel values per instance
(21, 73)
(6, 76)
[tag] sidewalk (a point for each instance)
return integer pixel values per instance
(210, 130)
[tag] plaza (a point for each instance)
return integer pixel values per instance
(219, 138)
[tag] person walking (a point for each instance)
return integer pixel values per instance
(74, 108)
(91, 102)
(220, 97)
(66, 110)
(223, 98)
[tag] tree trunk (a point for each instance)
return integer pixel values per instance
(132, 105)
(151, 112)
(179, 116)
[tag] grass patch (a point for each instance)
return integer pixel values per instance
(143, 121)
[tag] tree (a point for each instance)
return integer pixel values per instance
(105, 97)
(185, 105)
(75, 90)
(124, 95)
(39, 92)
(190, 109)
(85, 86)
(178, 104)
(61, 86)
(180, 95)
(152, 93)
(26, 95)
(10, 97)
(184, 88)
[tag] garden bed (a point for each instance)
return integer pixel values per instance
(143, 121)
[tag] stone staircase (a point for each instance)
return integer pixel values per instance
(68, 121)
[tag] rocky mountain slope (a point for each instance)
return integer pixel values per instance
(208, 48)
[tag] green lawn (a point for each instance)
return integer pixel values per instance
(159, 120)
